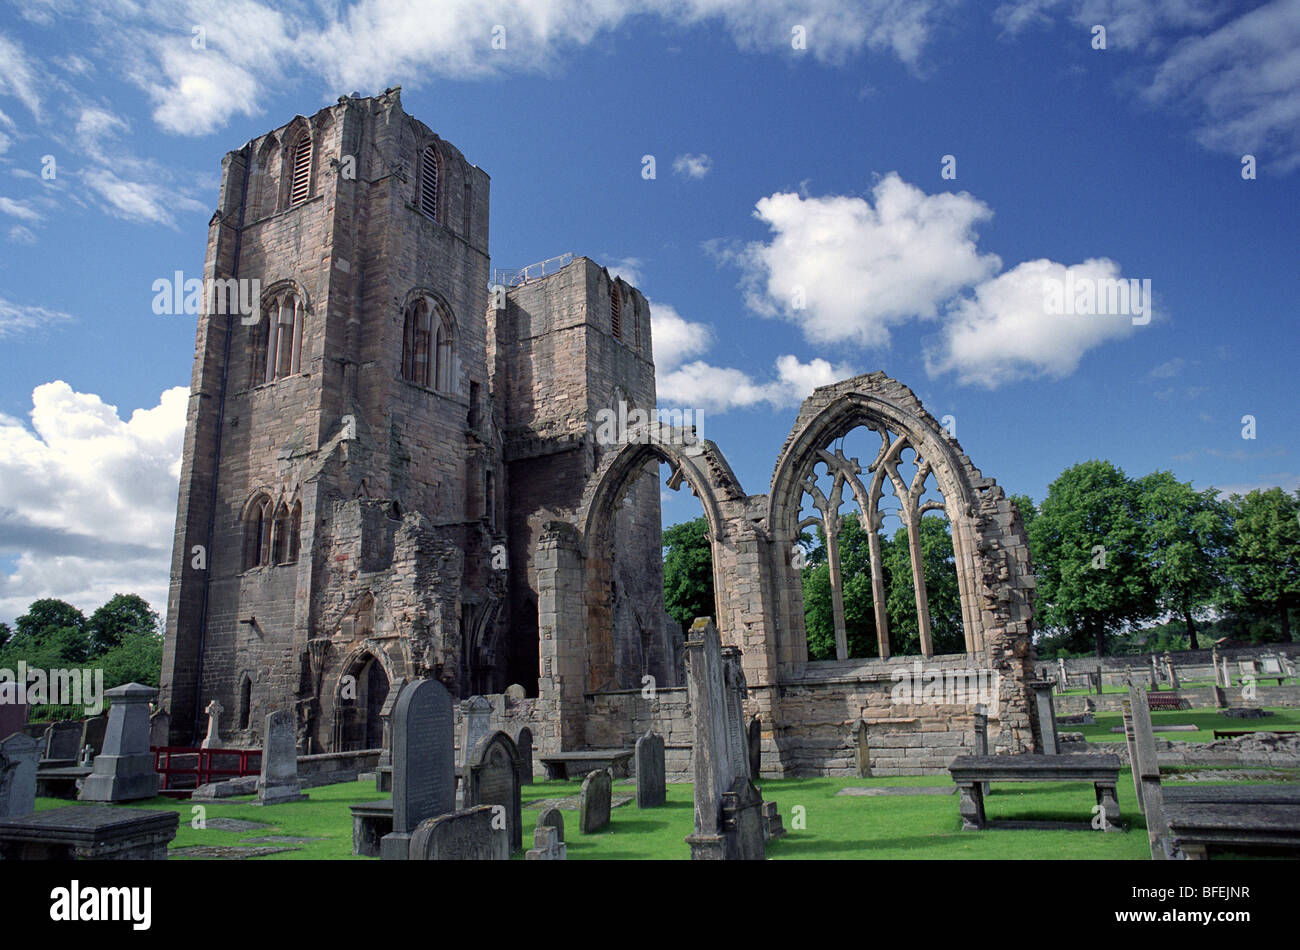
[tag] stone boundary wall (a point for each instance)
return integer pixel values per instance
(1256, 751)
(1200, 697)
(1182, 658)
(326, 768)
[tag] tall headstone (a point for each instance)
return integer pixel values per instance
(477, 712)
(492, 777)
(594, 802)
(1130, 742)
(982, 735)
(1218, 672)
(1065, 677)
(18, 757)
(1171, 672)
(1155, 669)
(861, 749)
(651, 781)
(213, 739)
(524, 744)
(424, 765)
(472, 834)
(1046, 715)
(1147, 766)
(728, 809)
(755, 747)
(123, 772)
(278, 781)
(1098, 680)
(386, 720)
(733, 678)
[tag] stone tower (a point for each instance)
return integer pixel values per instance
(372, 440)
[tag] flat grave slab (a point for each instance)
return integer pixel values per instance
(897, 790)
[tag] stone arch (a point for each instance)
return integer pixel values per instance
(982, 521)
(695, 462)
(356, 717)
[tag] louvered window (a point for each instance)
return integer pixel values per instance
(429, 182)
(300, 189)
(615, 312)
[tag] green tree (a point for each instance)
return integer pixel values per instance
(855, 576)
(137, 658)
(688, 572)
(1186, 536)
(5, 634)
(1264, 558)
(123, 616)
(52, 634)
(1088, 547)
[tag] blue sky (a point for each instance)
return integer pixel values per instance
(776, 167)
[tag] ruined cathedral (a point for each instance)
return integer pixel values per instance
(394, 469)
(370, 457)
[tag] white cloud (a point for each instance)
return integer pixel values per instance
(18, 77)
(18, 209)
(21, 235)
(89, 498)
(1168, 370)
(139, 201)
(1005, 333)
(698, 384)
(629, 268)
(16, 317)
(847, 270)
(1245, 78)
(1129, 24)
(692, 166)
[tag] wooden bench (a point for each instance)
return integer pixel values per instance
(970, 772)
(1162, 701)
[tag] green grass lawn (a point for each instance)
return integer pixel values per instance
(832, 828)
(1206, 719)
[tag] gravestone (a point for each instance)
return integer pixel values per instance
(1130, 742)
(651, 788)
(1065, 677)
(1227, 674)
(1271, 667)
(384, 767)
(728, 816)
(62, 742)
(1218, 671)
(123, 772)
(13, 714)
(160, 727)
(492, 777)
(547, 846)
(1155, 669)
(982, 735)
(733, 678)
(278, 781)
(477, 711)
(471, 834)
(1097, 680)
(1246, 667)
(1171, 672)
(1046, 715)
(213, 739)
(1146, 764)
(755, 747)
(424, 767)
(524, 744)
(594, 802)
(553, 818)
(861, 749)
(18, 757)
(92, 735)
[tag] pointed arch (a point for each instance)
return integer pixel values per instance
(257, 519)
(431, 182)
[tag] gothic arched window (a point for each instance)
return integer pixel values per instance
(430, 179)
(428, 345)
(279, 351)
(300, 168)
(257, 532)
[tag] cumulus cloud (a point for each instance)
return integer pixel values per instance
(1006, 332)
(692, 166)
(845, 269)
(89, 498)
(683, 380)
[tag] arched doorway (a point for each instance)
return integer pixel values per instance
(360, 697)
